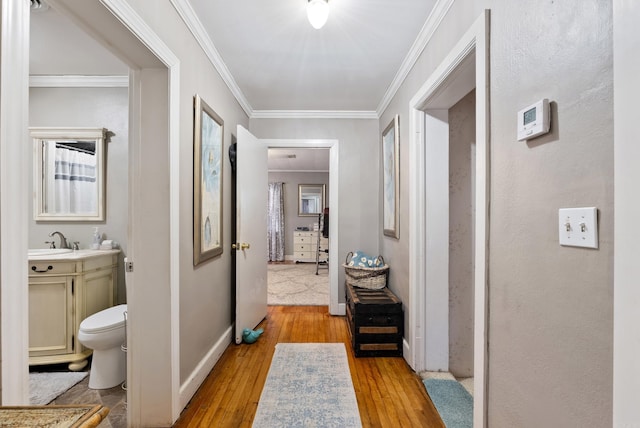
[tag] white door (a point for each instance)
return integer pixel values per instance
(251, 232)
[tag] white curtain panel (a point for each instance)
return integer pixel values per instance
(75, 182)
(276, 222)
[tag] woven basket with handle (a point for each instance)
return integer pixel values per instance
(373, 278)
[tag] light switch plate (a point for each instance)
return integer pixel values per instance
(578, 227)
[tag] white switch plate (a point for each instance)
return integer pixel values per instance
(578, 227)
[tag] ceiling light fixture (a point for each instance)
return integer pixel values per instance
(318, 12)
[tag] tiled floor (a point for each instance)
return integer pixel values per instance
(114, 398)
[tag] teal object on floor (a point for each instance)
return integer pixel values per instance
(250, 336)
(452, 401)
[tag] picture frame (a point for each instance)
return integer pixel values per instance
(208, 143)
(391, 179)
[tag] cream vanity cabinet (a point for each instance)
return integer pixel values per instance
(305, 246)
(64, 289)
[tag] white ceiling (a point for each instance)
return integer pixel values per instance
(276, 62)
(280, 62)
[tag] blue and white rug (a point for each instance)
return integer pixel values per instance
(308, 385)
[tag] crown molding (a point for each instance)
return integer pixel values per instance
(313, 114)
(77, 81)
(191, 20)
(428, 29)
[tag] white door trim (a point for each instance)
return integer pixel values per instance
(136, 413)
(335, 308)
(15, 155)
(421, 324)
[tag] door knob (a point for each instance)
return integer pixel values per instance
(238, 246)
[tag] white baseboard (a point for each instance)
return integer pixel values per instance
(406, 353)
(199, 374)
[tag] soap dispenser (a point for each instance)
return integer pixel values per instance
(95, 245)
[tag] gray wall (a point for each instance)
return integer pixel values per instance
(291, 217)
(358, 162)
(462, 135)
(550, 307)
(89, 107)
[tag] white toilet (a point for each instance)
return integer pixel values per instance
(104, 332)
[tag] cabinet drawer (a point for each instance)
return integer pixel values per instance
(304, 240)
(298, 255)
(303, 248)
(50, 268)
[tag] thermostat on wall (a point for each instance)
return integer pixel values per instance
(534, 120)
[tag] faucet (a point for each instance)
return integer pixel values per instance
(63, 240)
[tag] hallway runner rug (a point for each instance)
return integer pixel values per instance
(308, 385)
(453, 402)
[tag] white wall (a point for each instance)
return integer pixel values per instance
(550, 307)
(358, 175)
(291, 217)
(626, 370)
(96, 108)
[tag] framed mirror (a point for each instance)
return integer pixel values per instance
(68, 174)
(310, 199)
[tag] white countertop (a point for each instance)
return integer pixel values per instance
(72, 255)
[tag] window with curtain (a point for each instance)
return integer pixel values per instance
(276, 222)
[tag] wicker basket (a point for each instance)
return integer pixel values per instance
(373, 278)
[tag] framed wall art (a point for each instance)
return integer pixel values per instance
(208, 133)
(391, 179)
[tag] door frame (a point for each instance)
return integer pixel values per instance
(147, 402)
(428, 338)
(335, 308)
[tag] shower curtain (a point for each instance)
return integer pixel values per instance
(276, 222)
(72, 177)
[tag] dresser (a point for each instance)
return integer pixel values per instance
(305, 245)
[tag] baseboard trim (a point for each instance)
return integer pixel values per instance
(189, 388)
(406, 353)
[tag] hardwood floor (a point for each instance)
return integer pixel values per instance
(389, 393)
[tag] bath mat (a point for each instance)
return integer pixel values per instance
(308, 385)
(45, 387)
(453, 402)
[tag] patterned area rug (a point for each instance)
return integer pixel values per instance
(297, 284)
(76, 416)
(308, 385)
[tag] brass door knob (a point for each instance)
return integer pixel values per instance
(245, 246)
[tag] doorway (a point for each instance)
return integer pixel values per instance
(298, 272)
(464, 68)
(335, 308)
(150, 375)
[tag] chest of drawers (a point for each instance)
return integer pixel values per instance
(305, 245)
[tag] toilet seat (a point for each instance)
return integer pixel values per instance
(109, 319)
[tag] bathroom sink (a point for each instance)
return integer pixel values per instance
(48, 251)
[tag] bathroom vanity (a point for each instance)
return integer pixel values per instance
(65, 287)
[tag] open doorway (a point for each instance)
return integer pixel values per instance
(299, 194)
(429, 344)
(152, 376)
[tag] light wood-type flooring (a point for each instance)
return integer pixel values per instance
(389, 393)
